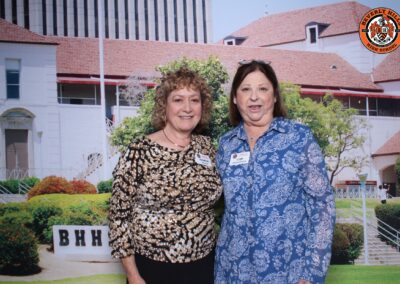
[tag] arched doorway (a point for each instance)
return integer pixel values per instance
(16, 129)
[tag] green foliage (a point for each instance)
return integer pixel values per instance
(389, 214)
(21, 218)
(105, 186)
(41, 216)
(11, 207)
(211, 69)
(13, 185)
(336, 128)
(347, 243)
(214, 73)
(65, 209)
(18, 247)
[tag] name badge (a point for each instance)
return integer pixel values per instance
(239, 158)
(203, 160)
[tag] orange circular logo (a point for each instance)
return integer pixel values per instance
(379, 30)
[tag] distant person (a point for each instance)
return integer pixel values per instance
(280, 210)
(165, 186)
(382, 192)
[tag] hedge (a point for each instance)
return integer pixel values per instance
(105, 186)
(18, 247)
(12, 185)
(347, 243)
(390, 214)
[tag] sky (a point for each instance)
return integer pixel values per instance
(231, 15)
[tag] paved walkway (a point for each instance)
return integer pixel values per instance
(56, 268)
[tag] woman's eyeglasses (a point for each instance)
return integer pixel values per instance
(245, 62)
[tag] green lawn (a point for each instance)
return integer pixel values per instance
(337, 274)
(357, 274)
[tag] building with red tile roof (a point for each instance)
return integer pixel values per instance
(74, 79)
(391, 147)
(13, 33)
(288, 27)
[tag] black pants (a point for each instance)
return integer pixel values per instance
(197, 272)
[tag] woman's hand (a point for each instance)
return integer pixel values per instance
(136, 280)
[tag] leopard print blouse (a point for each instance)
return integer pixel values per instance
(162, 201)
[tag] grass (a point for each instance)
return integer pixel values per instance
(357, 274)
(94, 279)
(337, 274)
(64, 201)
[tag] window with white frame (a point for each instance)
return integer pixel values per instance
(13, 69)
(312, 34)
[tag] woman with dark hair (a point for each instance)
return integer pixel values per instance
(279, 206)
(165, 186)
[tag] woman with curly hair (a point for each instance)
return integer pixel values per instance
(165, 186)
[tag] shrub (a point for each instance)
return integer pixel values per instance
(12, 185)
(390, 214)
(79, 215)
(21, 218)
(41, 216)
(105, 186)
(49, 185)
(347, 243)
(18, 247)
(31, 181)
(82, 187)
(11, 207)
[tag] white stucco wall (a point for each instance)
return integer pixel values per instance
(38, 97)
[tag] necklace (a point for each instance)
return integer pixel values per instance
(175, 144)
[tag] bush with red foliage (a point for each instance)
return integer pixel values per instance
(49, 185)
(82, 187)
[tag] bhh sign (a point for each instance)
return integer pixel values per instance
(88, 243)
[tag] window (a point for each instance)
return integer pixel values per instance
(126, 20)
(156, 18)
(107, 33)
(116, 18)
(65, 12)
(166, 19)
(96, 19)
(185, 20)
(86, 17)
(146, 18)
(2, 9)
(55, 17)
(26, 14)
(14, 12)
(204, 21)
(76, 18)
(12, 78)
(229, 42)
(195, 21)
(312, 34)
(44, 16)
(176, 20)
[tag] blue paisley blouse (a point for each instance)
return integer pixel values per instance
(279, 208)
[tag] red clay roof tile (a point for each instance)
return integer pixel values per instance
(341, 18)
(391, 147)
(389, 68)
(79, 56)
(13, 33)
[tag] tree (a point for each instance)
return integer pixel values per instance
(214, 73)
(337, 129)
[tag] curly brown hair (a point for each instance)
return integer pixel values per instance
(176, 80)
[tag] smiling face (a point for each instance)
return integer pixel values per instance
(183, 110)
(255, 99)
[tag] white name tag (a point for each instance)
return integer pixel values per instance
(203, 160)
(239, 158)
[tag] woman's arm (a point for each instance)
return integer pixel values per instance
(132, 273)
